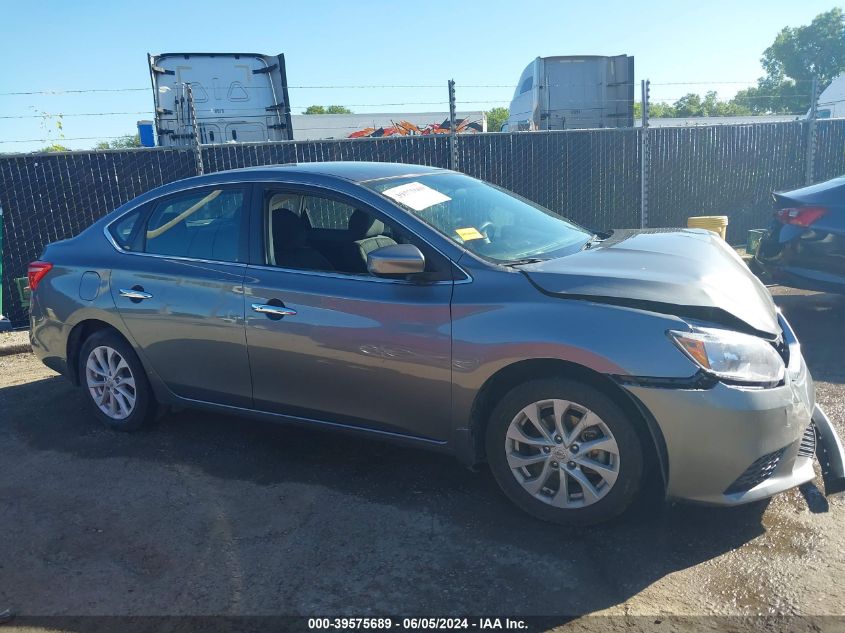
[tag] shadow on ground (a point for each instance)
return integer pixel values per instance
(208, 513)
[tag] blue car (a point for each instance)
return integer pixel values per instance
(805, 246)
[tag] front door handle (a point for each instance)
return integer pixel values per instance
(272, 311)
(136, 294)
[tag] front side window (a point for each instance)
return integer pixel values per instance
(491, 222)
(205, 225)
(332, 236)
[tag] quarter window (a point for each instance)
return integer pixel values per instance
(124, 229)
(205, 225)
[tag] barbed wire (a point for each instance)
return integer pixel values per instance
(62, 91)
(59, 141)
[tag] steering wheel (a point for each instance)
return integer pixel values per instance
(483, 230)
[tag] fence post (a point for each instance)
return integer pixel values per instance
(5, 324)
(453, 136)
(645, 156)
(195, 126)
(811, 135)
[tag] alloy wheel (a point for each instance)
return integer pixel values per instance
(110, 382)
(562, 453)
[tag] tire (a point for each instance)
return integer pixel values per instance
(128, 403)
(533, 477)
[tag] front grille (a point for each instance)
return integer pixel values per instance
(757, 473)
(808, 442)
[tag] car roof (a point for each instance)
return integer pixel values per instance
(354, 171)
(357, 171)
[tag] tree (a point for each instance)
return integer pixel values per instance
(55, 147)
(656, 110)
(794, 58)
(496, 118)
(332, 109)
(123, 142)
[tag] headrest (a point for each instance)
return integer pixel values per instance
(278, 201)
(288, 230)
(363, 225)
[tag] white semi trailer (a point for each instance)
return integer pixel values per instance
(574, 92)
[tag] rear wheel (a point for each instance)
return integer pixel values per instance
(564, 452)
(114, 382)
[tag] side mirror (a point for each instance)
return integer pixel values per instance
(395, 260)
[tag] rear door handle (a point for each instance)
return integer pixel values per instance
(273, 311)
(135, 294)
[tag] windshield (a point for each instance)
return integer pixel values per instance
(490, 222)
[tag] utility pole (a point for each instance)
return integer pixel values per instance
(453, 136)
(645, 155)
(196, 128)
(811, 134)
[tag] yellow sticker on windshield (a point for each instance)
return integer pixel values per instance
(469, 233)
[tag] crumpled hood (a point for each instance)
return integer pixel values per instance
(686, 272)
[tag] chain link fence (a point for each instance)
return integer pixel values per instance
(591, 176)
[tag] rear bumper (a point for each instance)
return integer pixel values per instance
(802, 258)
(732, 445)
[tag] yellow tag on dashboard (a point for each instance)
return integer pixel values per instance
(469, 233)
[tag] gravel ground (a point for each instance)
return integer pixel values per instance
(208, 514)
(14, 342)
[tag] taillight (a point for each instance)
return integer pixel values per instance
(800, 216)
(36, 272)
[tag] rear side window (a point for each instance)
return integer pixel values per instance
(205, 225)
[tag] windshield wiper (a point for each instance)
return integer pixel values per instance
(591, 242)
(524, 260)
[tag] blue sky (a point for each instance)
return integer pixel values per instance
(58, 45)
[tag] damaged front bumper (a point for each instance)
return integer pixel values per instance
(830, 453)
(729, 445)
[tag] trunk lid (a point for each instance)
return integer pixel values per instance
(688, 273)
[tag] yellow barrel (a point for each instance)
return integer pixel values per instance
(716, 223)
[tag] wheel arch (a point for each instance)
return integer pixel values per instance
(78, 335)
(508, 377)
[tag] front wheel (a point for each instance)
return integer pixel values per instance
(564, 452)
(114, 382)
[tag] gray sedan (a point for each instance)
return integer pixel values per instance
(422, 306)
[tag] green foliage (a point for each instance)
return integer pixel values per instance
(496, 118)
(794, 58)
(55, 147)
(657, 110)
(693, 105)
(332, 109)
(126, 141)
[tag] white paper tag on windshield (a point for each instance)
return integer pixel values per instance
(416, 195)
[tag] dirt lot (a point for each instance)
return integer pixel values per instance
(214, 515)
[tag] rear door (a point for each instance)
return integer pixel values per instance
(179, 290)
(353, 349)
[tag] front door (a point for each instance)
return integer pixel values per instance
(179, 292)
(327, 340)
